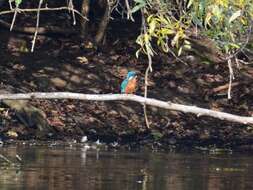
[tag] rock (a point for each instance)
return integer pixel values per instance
(58, 82)
(42, 82)
(75, 79)
(83, 60)
(29, 116)
(84, 139)
(12, 134)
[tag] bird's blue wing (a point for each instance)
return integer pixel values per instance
(123, 86)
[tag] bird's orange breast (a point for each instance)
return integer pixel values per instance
(131, 86)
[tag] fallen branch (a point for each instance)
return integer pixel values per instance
(44, 9)
(128, 97)
(47, 30)
(224, 87)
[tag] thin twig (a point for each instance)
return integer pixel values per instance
(19, 159)
(229, 57)
(177, 58)
(224, 87)
(71, 7)
(149, 69)
(5, 159)
(114, 5)
(231, 78)
(14, 18)
(37, 26)
(129, 13)
(145, 95)
(10, 5)
(244, 44)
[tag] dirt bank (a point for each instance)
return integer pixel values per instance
(60, 64)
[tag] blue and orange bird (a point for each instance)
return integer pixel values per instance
(128, 86)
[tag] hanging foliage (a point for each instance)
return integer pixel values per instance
(226, 22)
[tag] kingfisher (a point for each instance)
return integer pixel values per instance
(128, 86)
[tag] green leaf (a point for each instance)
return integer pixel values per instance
(206, 62)
(189, 3)
(234, 16)
(233, 45)
(18, 2)
(202, 6)
(139, 1)
(152, 26)
(207, 19)
(137, 8)
(157, 135)
(180, 51)
(139, 4)
(196, 20)
(187, 46)
(175, 40)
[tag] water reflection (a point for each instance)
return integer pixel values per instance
(61, 168)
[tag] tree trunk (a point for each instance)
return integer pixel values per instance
(103, 23)
(85, 11)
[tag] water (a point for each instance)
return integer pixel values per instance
(61, 167)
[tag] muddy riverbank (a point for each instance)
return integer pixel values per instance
(61, 64)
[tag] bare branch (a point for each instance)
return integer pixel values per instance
(130, 97)
(149, 69)
(10, 5)
(231, 78)
(5, 159)
(14, 18)
(71, 8)
(129, 13)
(177, 58)
(145, 95)
(244, 44)
(37, 26)
(224, 87)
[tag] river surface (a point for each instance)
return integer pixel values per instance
(76, 167)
